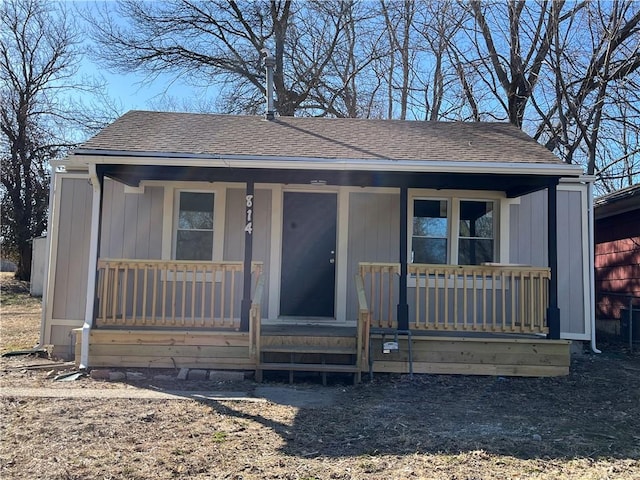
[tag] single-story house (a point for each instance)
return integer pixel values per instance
(617, 262)
(318, 244)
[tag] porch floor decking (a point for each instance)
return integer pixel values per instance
(322, 346)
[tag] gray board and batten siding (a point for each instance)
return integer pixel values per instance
(122, 214)
(234, 235)
(528, 245)
(374, 225)
(72, 257)
(131, 222)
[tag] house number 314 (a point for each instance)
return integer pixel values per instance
(249, 225)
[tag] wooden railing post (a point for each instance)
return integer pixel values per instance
(364, 321)
(255, 324)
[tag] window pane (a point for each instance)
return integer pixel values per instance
(430, 218)
(474, 251)
(194, 245)
(194, 235)
(196, 211)
(430, 231)
(429, 250)
(430, 227)
(476, 219)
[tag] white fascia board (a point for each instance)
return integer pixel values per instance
(68, 164)
(87, 157)
(583, 179)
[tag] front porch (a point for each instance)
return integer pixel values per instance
(486, 320)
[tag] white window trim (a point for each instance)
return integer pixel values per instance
(496, 225)
(176, 213)
(170, 219)
(500, 225)
(453, 198)
(410, 210)
(454, 230)
(171, 207)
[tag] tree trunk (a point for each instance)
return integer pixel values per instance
(24, 261)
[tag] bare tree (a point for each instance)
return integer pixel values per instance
(398, 19)
(567, 72)
(595, 114)
(40, 115)
(437, 24)
(349, 86)
(526, 37)
(37, 55)
(220, 43)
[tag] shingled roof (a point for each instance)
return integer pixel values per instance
(185, 134)
(617, 202)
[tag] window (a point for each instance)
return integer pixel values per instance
(194, 226)
(475, 243)
(453, 231)
(430, 231)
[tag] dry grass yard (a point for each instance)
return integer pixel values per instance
(584, 426)
(19, 315)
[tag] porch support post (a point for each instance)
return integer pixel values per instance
(94, 241)
(245, 305)
(553, 312)
(403, 307)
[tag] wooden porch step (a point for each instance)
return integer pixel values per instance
(320, 349)
(310, 367)
(309, 349)
(322, 368)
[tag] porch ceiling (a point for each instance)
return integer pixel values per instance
(514, 185)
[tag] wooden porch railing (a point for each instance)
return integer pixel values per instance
(482, 298)
(160, 293)
(380, 285)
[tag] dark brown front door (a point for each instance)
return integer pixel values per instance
(307, 286)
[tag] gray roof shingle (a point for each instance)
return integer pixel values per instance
(142, 132)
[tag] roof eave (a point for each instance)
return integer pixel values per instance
(96, 157)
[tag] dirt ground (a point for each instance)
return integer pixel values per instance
(583, 426)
